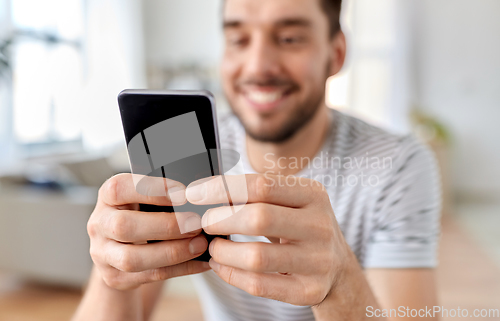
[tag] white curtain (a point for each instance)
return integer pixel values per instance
(375, 84)
(114, 47)
(6, 144)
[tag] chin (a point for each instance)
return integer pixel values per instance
(278, 124)
(269, 129)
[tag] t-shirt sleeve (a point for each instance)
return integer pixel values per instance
(408, 212)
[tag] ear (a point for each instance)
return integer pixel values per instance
(338, 52)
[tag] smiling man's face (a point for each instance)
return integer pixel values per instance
(278, 56)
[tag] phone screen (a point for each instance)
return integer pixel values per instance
(171, 135)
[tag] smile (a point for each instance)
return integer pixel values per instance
(263, 97)
(266, 100)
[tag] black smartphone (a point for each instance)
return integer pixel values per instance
(174, 135)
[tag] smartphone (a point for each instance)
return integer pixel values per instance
(172, 134)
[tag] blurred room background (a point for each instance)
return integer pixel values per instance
(430, 67)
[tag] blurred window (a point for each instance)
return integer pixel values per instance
(374, 82)
(48, 70)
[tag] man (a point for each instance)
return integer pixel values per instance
(362, 241)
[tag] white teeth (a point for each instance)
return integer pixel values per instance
(261, 97)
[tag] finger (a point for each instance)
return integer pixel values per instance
(125, 281)
(258, 219)
(241, 189)
(284, 288)
(168, 272)
(274, 239)
(263, 257)
(130, 188)
(134, 226)
(142, 257)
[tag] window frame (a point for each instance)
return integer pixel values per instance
(13, 147)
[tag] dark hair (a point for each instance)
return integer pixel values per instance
(332, 10)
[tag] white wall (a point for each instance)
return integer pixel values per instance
(458, 81)
(182, 31)
(6, 144)
(4, 17)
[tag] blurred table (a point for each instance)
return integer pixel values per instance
(43, 233)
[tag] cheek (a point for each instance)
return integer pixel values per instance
(229, 70)
(308, 69)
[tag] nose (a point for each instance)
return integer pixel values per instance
(262, 59)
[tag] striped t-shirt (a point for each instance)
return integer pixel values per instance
(384, 190)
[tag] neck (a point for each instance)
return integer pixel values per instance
(286, 158)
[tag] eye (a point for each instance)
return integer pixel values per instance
(236, 40)
(291, 40)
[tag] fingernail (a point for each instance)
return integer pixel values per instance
(204, 219)
(196, 193)
(205, 265)
(211, 247)
(198, 245)
(214, 265)
(177, 195)
(193, 223)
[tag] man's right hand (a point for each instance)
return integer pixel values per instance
(119, 231)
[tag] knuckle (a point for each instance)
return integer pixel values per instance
(109, 190)
(314, 293)
(227, 274)
(323, 195)
(171, 224)
(310, 294)
(326, 263)
(259, 220)
(305, 182)
(317, 186)
(111, 278)
(103, 188)
(111, 282)
(189, 270)
(216, 188)
(263, 187)
(117, 284)
(323, 230)
(159, 274)
(256, 259)
(173, 254)
(127, 262)
(92, 228)
(95, 253)
(168, 224)
(120, 227)
(256, 287)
